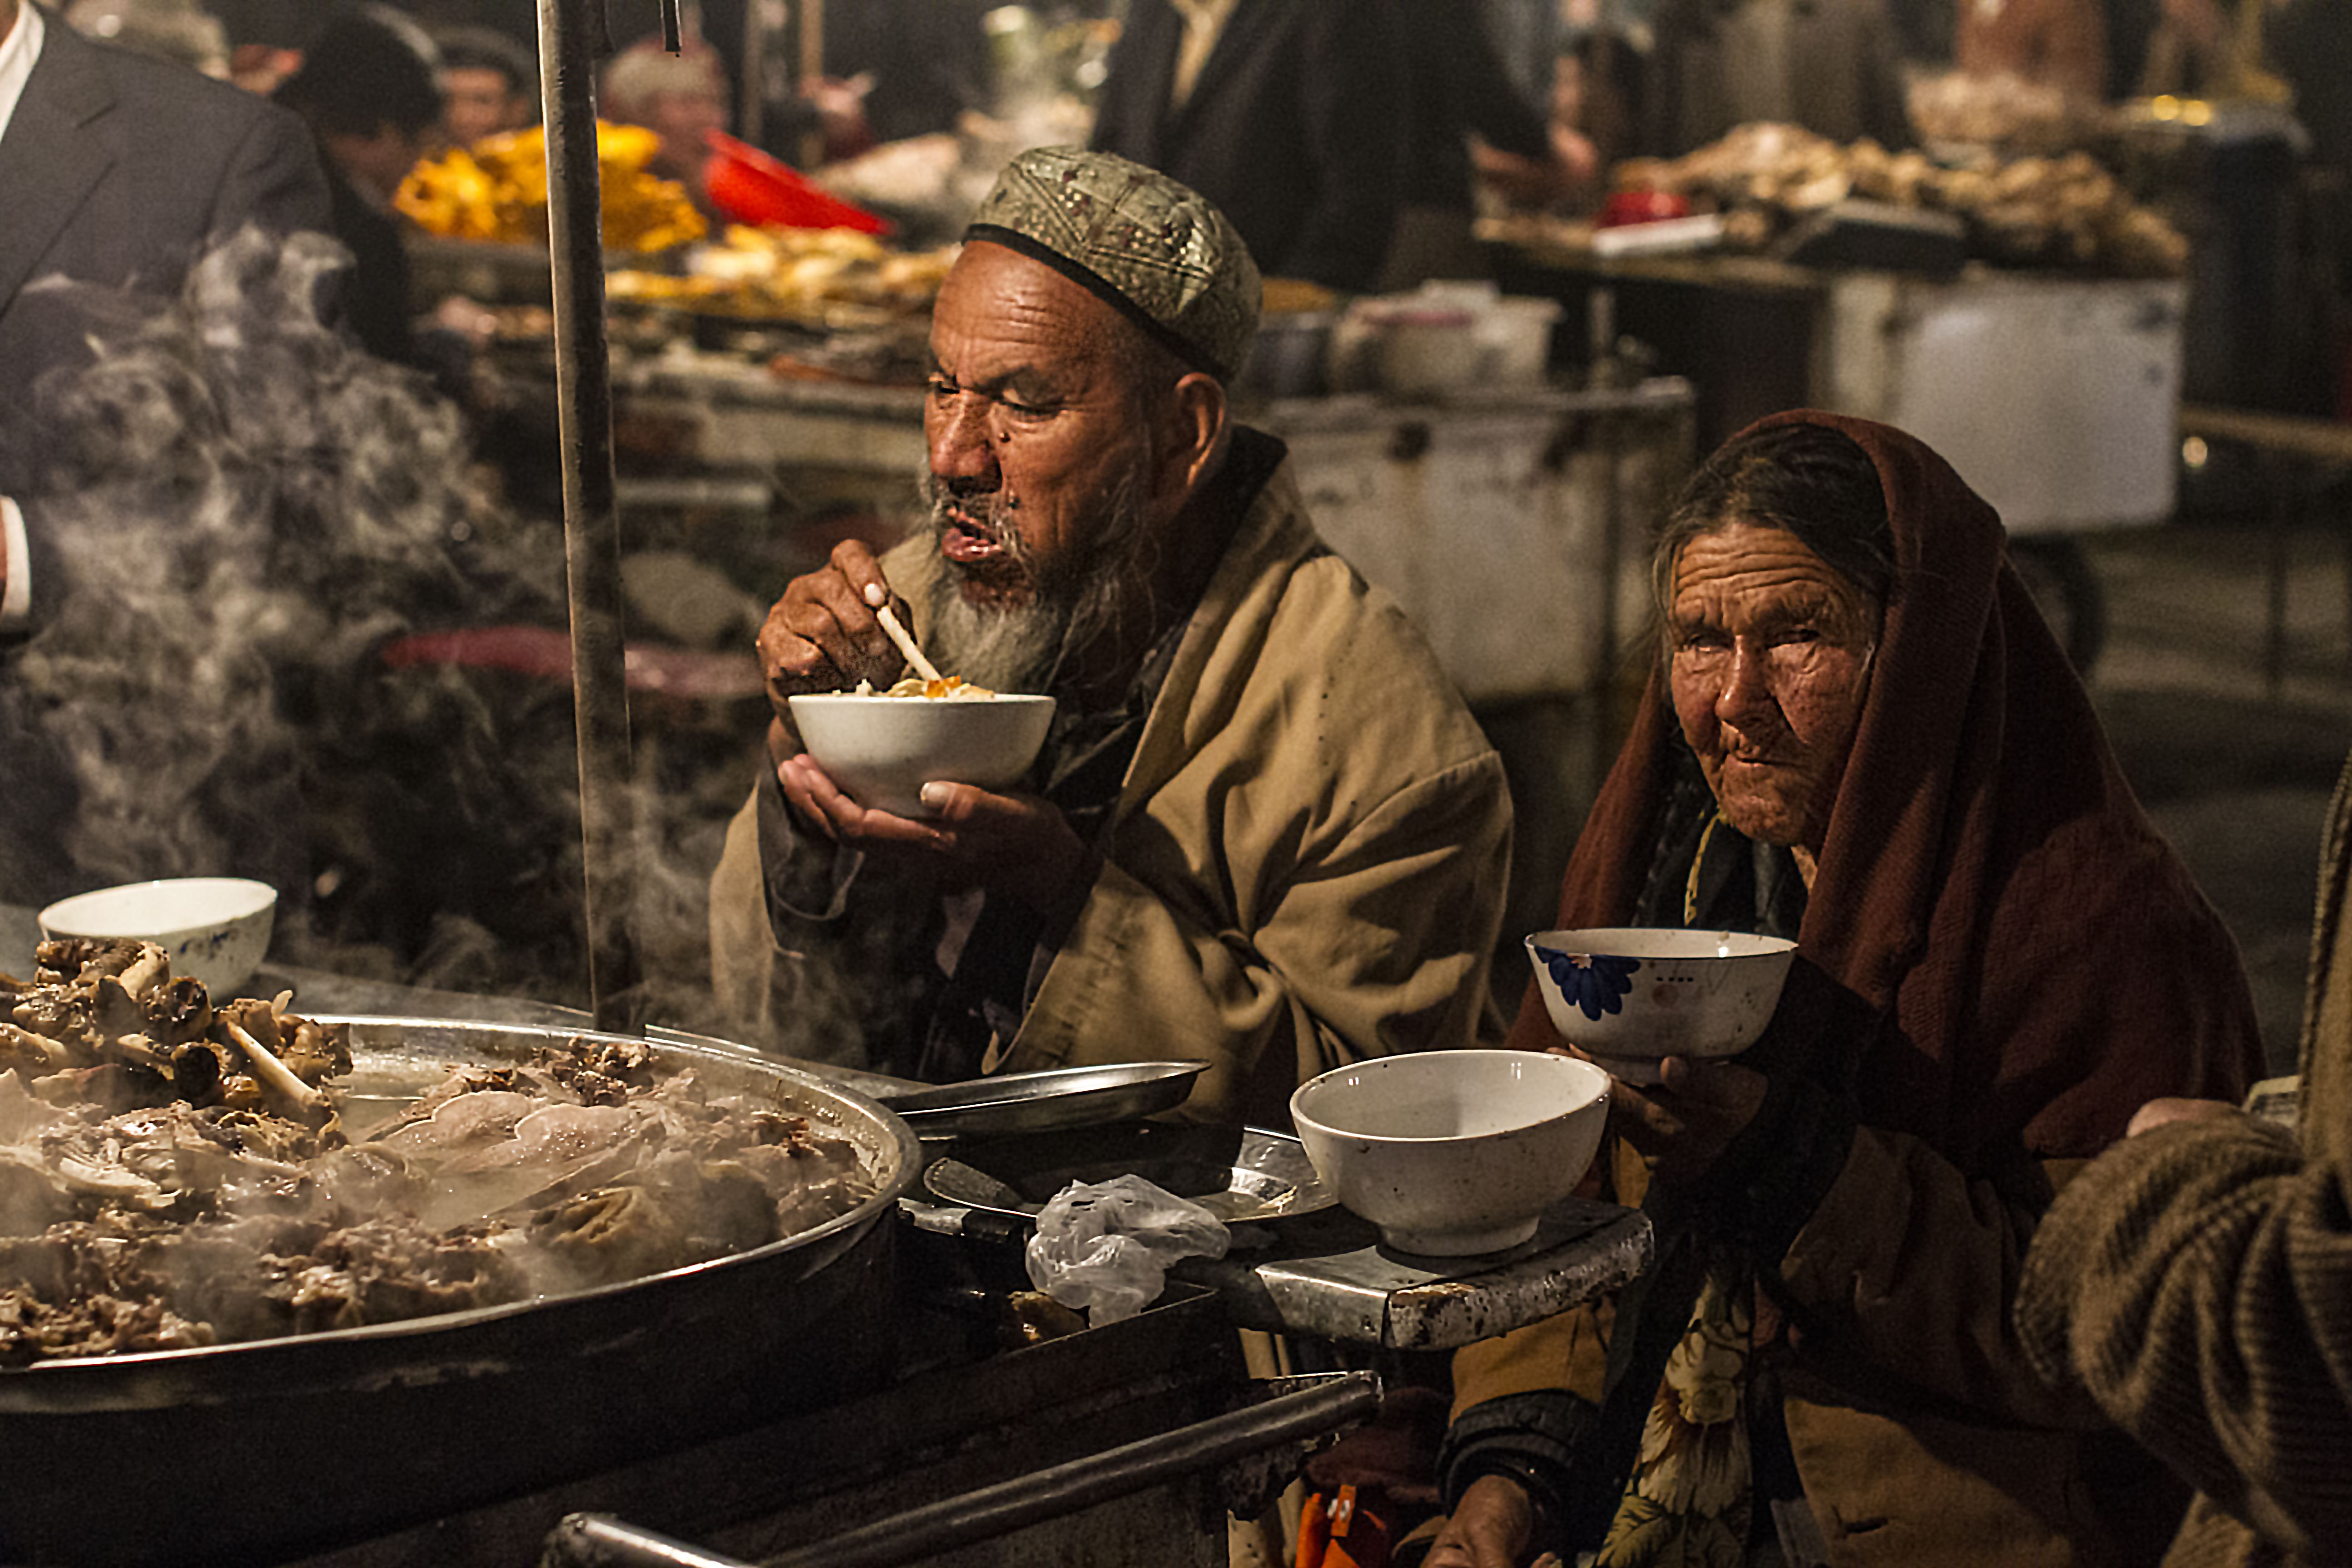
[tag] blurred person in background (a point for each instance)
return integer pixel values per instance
(1467, 110)
(681, 98)
(1591, 113)
(2312, 41)
(490, 84)
(169, 29)
(116, 169)
(891, 69)
(1288, 114)
(1831, 66)
(896, 69)
(1926, 28)
(2188, 52)
(370, 90)
(2059, 44)
(1263, 831)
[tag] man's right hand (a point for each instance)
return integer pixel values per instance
(823, 636)
(1489, 1527)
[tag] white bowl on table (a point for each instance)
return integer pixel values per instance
(1629, 996)
(881, 750)
(216, 929)
(1453, 1152)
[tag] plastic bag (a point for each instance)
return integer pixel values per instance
(1104, 1247)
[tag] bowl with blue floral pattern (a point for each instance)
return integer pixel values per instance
(1630, 996)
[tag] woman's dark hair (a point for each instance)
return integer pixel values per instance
(1815, 483)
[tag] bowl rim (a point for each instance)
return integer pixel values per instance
(1575, 1066)
(256, 898)
(1767, 946)
(1000, 699)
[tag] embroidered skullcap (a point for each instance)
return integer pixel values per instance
(1156, 251)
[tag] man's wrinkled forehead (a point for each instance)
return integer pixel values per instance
(1013, 310)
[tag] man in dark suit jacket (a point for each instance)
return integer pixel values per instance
(1295, 124)
(114, 169)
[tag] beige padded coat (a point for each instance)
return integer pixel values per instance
(1308, 862)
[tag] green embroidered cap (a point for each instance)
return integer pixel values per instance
(1159, 252)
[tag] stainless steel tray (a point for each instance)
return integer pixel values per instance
(1045, 1101)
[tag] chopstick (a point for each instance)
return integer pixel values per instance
(923, 666)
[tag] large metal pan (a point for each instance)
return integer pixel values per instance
(262, 1451)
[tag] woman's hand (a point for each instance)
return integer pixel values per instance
(2162, 1112)
(1489, 1527)
(1686, 1122)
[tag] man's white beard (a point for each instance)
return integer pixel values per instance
(1026, 647)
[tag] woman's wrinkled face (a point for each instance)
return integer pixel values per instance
(1771, 653)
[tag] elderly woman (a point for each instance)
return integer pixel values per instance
(1860, 735)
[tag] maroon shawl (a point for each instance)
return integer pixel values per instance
(1998, 949)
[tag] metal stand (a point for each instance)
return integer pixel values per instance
(571, 38)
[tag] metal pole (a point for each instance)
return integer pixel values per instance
(811, 42)
(1346, 1399)
(1342, 1400)
(751, 86)
(571, 38)
(595, 1541)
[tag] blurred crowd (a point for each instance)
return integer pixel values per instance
(1286, 115)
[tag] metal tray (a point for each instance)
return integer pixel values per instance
(1045, 1101)
(1242, 1175)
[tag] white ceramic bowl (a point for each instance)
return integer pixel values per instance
(1629, 996)
(214, 928)
(881, 750)
(1453, 1152)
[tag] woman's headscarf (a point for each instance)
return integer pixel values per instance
(1997, 948)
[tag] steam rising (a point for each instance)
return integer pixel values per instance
(243, 490)
(252, 509)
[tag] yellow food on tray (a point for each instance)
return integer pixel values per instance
(496, 191)
(835, 275)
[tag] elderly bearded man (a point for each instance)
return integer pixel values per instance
(1264, 831)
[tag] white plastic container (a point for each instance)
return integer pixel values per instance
(1514, 341)
(1426, 349)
